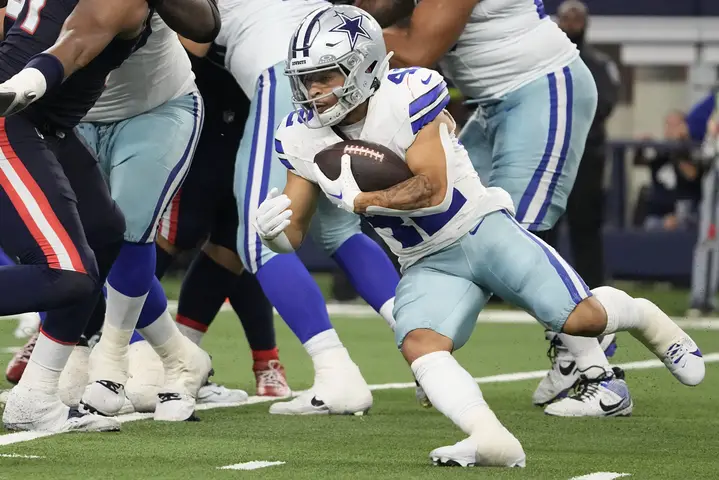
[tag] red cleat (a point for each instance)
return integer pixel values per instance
(17, 365)
(271, 380)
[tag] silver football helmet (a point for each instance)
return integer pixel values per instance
(343, 38)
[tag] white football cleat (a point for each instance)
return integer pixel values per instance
(33, 410)
(74, 377)
(670, 344)
(109, 365)
(563, 375)
(213, 393)
(28, 324)
(339, 389)
(503, 450)
(685, 361)
(604, 396)
(184, 375)
(146, 378)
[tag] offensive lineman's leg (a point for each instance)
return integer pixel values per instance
(563, 104)
(41, 225)
(143, 177)
(436, 310)
(339, 386)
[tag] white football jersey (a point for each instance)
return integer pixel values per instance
(505, 45)
(257, 34)
(156, 73)
(407, 100)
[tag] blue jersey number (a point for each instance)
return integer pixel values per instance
(301, 116)
(396, 75)
(408, 234)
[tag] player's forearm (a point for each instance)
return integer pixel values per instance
(414, 193)
(408, 52)
(76, 47)
(296, 235)
(197, 20)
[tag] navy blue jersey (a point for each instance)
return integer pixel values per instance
(36, 28)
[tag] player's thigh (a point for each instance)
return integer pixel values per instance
(540, 131)
(150, 156)
(100, 215)
(39, 219)
(523, 270)
(476, 140)
(332, 226)
(257, 169)
(437, 294)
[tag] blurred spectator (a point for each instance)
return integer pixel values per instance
(672, 199)
(585, 207)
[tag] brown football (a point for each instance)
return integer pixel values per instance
(374, 166)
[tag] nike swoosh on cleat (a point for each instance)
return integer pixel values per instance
(168, 397)
(609, 408)
(338, 197)
(568, 369)
(317, 403)
(426, 80)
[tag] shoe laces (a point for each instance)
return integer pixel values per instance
(26, 351)
(556, 348)
(272, 375)
(588, 388)
(676, 352)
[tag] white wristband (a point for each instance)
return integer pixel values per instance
(279, 244)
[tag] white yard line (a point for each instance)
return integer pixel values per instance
(364, 311)
(602, 476)
(10, 349)
(17, 455)
(18, 437)
(253, 465)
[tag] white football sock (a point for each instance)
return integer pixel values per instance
(162, 330)
(638, 316)
(45, 365)
(453, 391)
(386, 312)
(191, 333)
(588, 355)
(122, 312)
(322, 342)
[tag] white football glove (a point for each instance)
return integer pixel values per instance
(343, 191)
(21, 90)
(273, 216)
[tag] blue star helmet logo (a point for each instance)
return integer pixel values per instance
(352, 27)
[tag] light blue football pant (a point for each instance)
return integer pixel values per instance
(530, 142)
(145, 159)
(258, 170)
(445, 291)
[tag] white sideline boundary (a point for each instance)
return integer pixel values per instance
(364, 311)
(18, 437)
